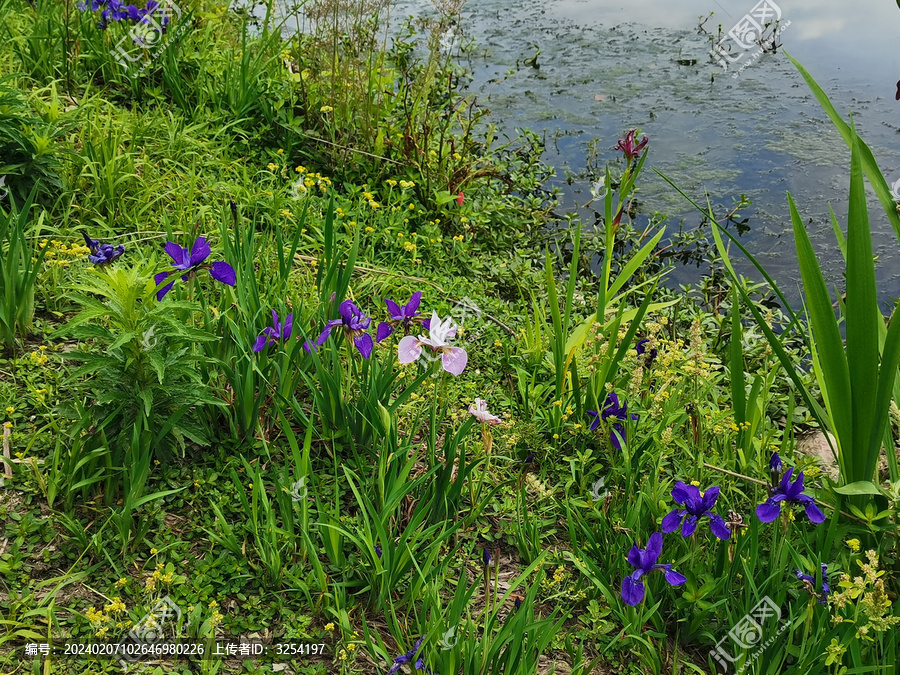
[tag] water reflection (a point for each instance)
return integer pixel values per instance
(606, 66)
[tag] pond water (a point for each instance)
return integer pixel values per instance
(608, 65)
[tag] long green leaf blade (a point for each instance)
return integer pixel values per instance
(826, 331)
(861, 325)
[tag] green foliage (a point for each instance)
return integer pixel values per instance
(20, 263)
(141, 360)
(31, 131)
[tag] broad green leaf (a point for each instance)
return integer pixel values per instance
(890, 360)
(861, 487)
(862, 329)
(636, 261)
(825, 331)
(156, 495)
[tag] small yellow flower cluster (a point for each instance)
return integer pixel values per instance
(560, 575)
(57, 252)
(326, 109)
(115, 606)
(853, 545)
(409, 246)
(405, 184)
(391, 182)
(39, 358)
(314, 179)
(10, 409)
(871, 595)
(834, 652)
(159, 576)
(329, 626)
(458, 237)
(743, 426)
(216, 618)
(98, 621)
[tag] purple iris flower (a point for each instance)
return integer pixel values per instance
(405, 316)
(810, 583)
(149, 9)
(791, 493)
(275, 332)
(131, 12)
(377, 550)
(101, 254)
(485, 557)
(95, 5)
(775, 468)
(192, 262)
(354, 324)
(696, 506)
(629, 147)
(644, 560)
(612, 408)
(408, 658)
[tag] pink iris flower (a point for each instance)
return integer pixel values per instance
(453, 359)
